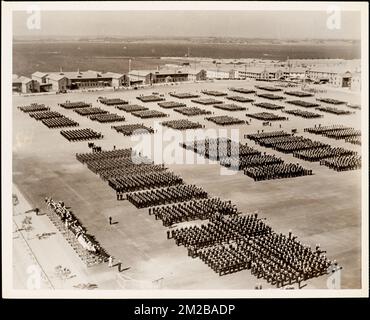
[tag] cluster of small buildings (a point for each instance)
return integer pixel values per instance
(63, 81)
(338, 75)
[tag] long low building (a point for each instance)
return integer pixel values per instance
(269, 73)
(159, 76)
(53, 81)
(338, 76)
(62, 81)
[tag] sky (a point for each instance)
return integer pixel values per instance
(246, 24)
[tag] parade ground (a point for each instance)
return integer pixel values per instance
(323, 208)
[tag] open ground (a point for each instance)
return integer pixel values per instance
(323, 208)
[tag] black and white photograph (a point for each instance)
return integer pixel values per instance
(184, 149)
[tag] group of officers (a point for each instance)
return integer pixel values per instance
(72, 224)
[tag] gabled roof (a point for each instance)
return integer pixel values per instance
(142, 73)
(56, 76)
(112, 75)
(24, 79)
(329, 69)
(39, 74)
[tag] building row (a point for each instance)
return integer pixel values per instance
(63, 81)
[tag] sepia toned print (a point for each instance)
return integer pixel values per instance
(187, 152)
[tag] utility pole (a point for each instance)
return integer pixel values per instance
(195, 69)
(129, 70)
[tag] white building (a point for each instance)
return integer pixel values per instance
(356, 81)
(219, 74)
(159, 76)
(118, 79)
(24, 84)
(338, 77)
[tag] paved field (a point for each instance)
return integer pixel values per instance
(324, 208)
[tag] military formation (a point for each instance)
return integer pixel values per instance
(192, 111)
(299, 94)
(303, 113)
(182, 124)
(267, 105)
(231, 243)
(225, 239)
(89, 111)
(51, 119)
(243, 90)
(334, 110)
(354, 140)
(331, 101)
(143, 180)
(107, 118)
(162, 196)
(337, 132)
(145, 114)
(150, 98)
(183, 95)
(171, 104)
(229, 107)
(254, 164)
(81, 134)
(206, 101)
(276, 171)
(240, 99)
(59, 122)
(304, 148)
(214, 93)
(112, 101)
(266, 116)
(268, 88)
(270, 96)
(132, 107)
(304, 104)
(225, 120)
(343, 162)
(133, 129)
(39, 115)
(192, 210)
(74, 105)
(33, 107)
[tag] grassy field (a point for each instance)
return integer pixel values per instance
(324, 208)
